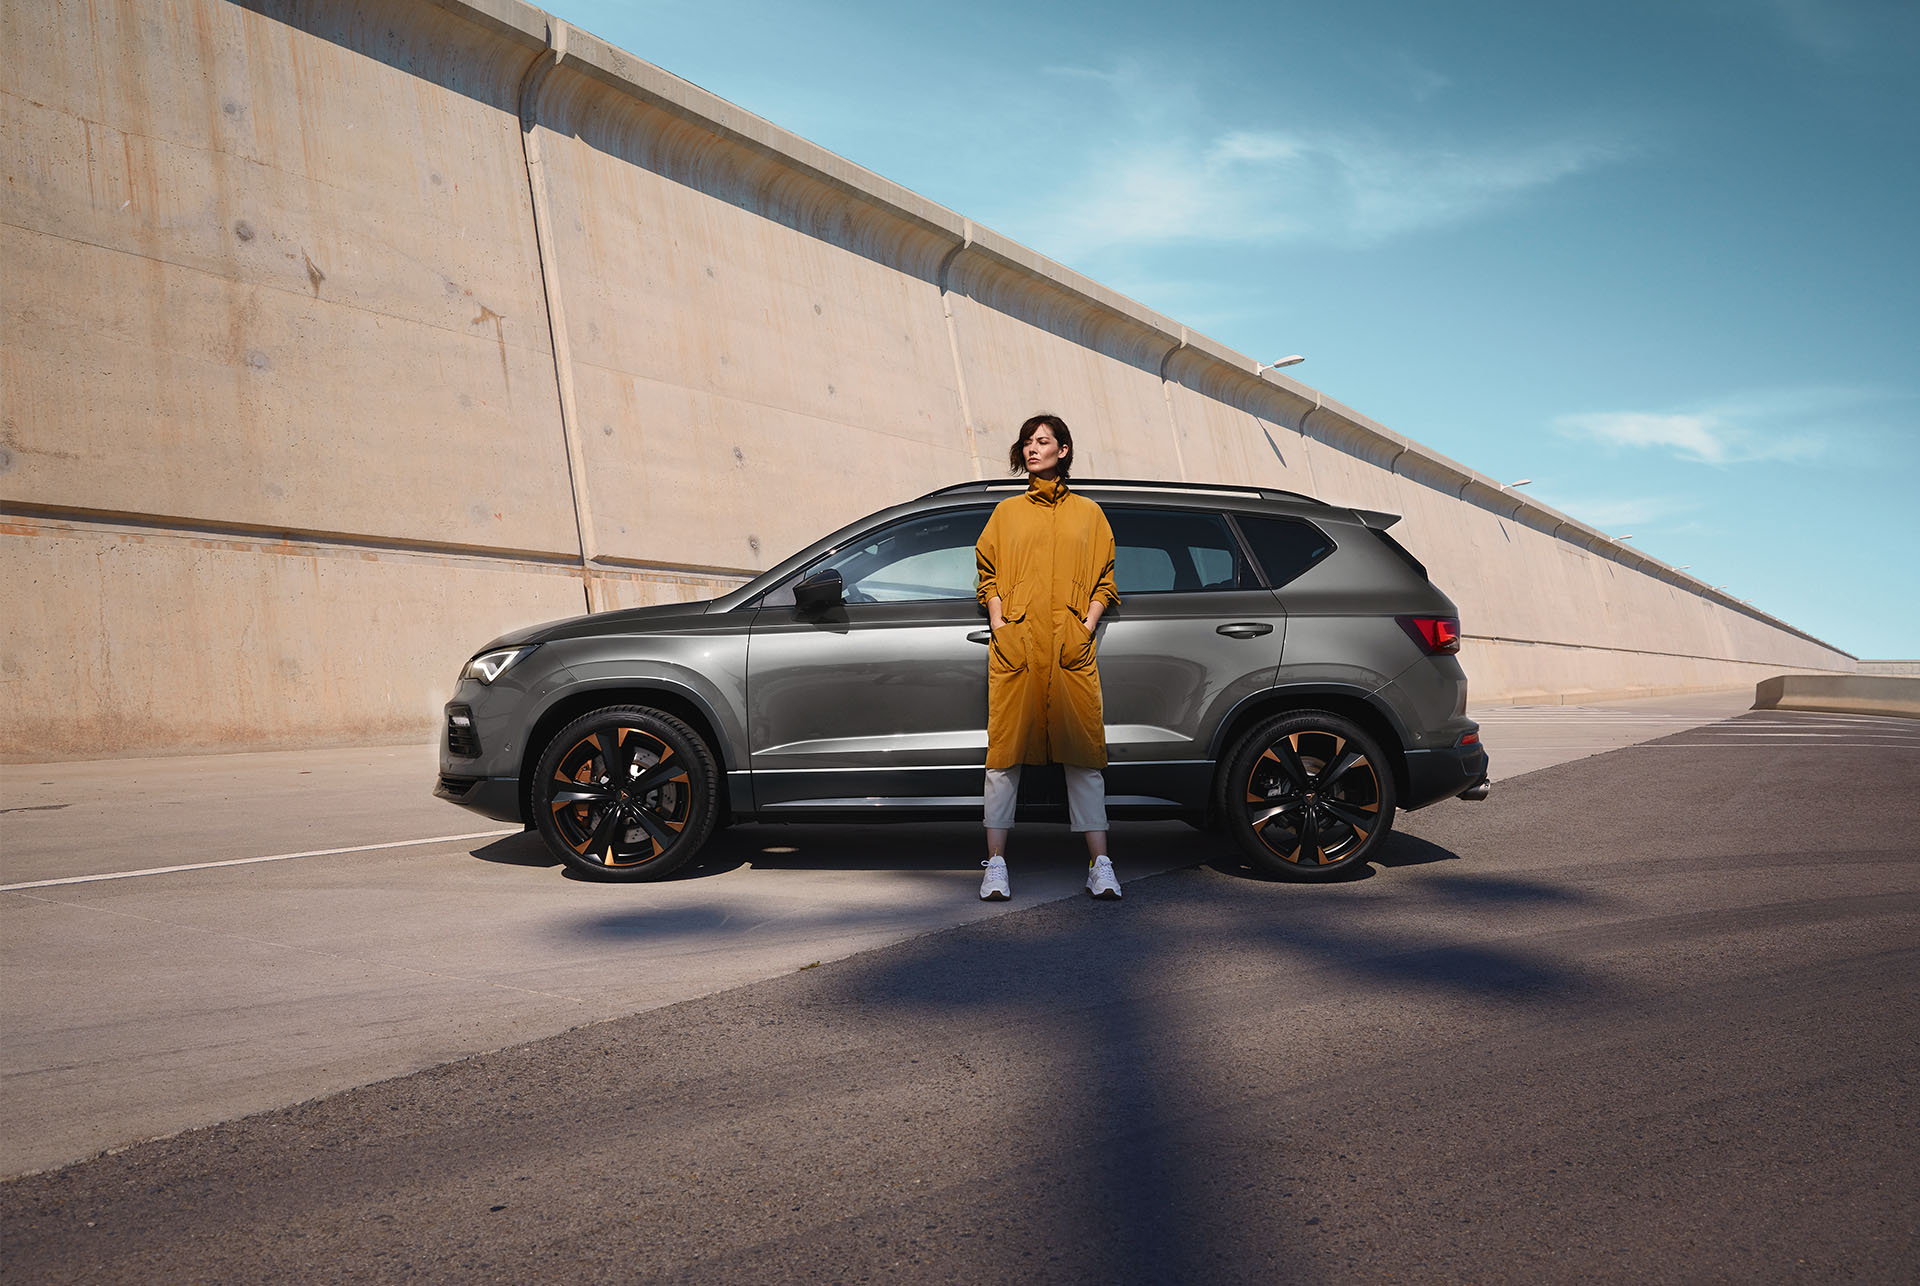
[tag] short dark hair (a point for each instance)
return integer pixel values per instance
(1016, 454)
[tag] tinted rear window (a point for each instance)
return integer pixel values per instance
(1285, 546)
(1159, 551)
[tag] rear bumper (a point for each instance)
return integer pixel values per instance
(495, 797)
(1434, 775)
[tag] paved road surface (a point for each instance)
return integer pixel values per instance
(1524, 739)
(386, 936)
(1651, 1017)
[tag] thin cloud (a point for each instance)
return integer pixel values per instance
(1398, 73)
(1836, 31)
(1708, 437)
(1346, 187)
(1817, 26)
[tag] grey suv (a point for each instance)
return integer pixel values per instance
(1278, 667)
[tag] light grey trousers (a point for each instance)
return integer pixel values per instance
(1086, 798)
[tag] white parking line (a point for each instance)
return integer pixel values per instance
(1834, 717)
(1558, 715)
(1773, 745)
(249, 861)
(1889, 731)
(1811, 732)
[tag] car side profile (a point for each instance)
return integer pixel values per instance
(1277, 667)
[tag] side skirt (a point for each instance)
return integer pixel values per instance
(1134, 791)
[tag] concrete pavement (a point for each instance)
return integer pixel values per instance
(1526, 738)
(138, 1006)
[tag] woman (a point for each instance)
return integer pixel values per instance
(1046, 575)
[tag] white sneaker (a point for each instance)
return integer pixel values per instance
(993, 885)
(1100, 881)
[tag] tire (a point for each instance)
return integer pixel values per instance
(645, 831)
(1307, 795)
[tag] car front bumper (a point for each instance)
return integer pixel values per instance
(495, 797)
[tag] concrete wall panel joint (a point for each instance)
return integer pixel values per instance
(1166, 396)
(942, 279)
(538, 69)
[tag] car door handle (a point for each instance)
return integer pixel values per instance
(980, 636)
(1245, 630)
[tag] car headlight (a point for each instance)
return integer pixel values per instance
(489, 666)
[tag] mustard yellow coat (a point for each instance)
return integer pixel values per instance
(1048, 554)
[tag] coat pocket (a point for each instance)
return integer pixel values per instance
(1008, 650)
(1077, 647)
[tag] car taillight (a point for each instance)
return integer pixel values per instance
(1434, 634)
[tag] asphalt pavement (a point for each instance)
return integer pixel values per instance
(190, 939)
(1643, 1016)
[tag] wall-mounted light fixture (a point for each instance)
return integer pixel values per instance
(1263, 368)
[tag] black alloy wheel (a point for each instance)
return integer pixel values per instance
(1307, 795)
(626, 793)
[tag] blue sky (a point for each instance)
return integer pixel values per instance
(1658, 257)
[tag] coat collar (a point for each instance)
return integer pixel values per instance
(1046, 491)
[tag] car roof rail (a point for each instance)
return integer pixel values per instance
(1127, 484)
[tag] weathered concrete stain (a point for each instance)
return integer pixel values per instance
(314, 275)
(500, 337)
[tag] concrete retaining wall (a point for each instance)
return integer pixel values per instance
(1840, 694)
(339, 337)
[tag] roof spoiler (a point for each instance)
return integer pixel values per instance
(1375, 519)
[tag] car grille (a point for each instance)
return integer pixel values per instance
(462, 741)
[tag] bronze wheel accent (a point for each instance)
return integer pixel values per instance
(620, 796)
(1310, 798)
(1308, 793)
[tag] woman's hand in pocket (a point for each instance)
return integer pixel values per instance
(1076, 653)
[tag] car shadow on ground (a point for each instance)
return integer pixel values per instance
(1396, 850)
(524, 849)
(898, 846)
(952, 846)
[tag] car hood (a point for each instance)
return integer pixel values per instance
(630, 620)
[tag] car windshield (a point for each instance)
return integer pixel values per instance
(927, 557)
(914, 560)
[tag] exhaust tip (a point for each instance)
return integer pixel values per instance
(1478, 791)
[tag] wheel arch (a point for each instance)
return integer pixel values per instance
(655, 694)
(1349, 702)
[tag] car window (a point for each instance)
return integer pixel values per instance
(922, 559)
(1285, 546)
(1158, 551)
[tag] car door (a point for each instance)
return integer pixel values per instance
(1196, 632)
(880, 703)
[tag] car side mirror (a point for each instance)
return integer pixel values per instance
(820, 592)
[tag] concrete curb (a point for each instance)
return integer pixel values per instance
(1840, 694)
